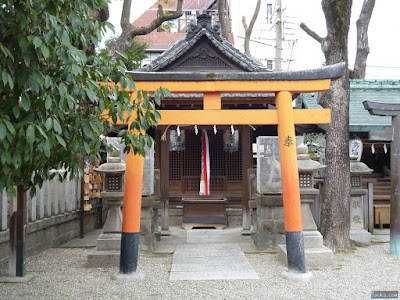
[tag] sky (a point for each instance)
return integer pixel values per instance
(383, 61)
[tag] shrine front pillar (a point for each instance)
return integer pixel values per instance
(131, 218)
(291, 189)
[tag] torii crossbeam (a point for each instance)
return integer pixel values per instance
(283, 84)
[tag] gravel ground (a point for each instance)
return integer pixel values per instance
(60, 273)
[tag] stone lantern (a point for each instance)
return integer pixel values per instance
(357, 226)
(317, 255)
(113, 195)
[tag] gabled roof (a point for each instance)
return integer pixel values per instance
(204, 40)
(383, 91)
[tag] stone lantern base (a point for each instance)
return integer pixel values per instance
(317, 255)
(107, 252)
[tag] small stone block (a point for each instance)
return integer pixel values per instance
(136, 276)
(298, 277)
(17, 279)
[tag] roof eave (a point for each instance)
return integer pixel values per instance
(329, 72)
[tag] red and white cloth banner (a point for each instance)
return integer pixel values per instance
(205, 166)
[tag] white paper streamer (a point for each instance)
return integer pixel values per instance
(373, 148)
(385, 148)
(215, 129)
(232, 130)
(196, 130)
(178, 131)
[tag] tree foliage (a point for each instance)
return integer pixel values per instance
(52, 107)
(134, 55)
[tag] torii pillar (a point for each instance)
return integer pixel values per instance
(393, 110)
(283, 84)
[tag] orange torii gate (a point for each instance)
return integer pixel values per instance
(283, 84)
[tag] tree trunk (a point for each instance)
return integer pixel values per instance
(360, 64)
(335, 205)
(248, 30)
(223, 19)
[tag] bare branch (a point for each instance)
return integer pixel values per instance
(222, 19)
(248, 29)
(360, 64)
(311, 33)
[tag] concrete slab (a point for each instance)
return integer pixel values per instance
(207, 255)
(245, 266)
(89, 240)
(227, 260)
(239, 275)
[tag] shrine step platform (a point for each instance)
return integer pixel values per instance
(208, 256)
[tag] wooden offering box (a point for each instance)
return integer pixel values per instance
(204, 212)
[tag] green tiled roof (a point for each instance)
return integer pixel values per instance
(384, 91)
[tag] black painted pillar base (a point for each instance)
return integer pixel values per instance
(295, 251)
(129, 258)
(297, 270)
(21, 259)
(129, 252)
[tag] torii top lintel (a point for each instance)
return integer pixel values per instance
(213, 84)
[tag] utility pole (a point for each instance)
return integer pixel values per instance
(278, 42)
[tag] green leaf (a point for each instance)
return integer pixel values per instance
(57, 126)
(10, 81)
(49, 123)
(47, 102)
(62, 88)
(121, 69)
(51, 8)
(37, 41)
(16, 111)
(39, 78)
(26, 102)
(47, 81)
(3, 131)
(86, 146)
(61, 141)
(65, 38)
(45, 51)
(10, 127)
(123, 54)
(30, 134)
(41, 131)
(4, 77)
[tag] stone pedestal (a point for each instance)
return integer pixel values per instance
(270, 225)
(147, 240)
(358, 233)
(317, 255)
(357, 228)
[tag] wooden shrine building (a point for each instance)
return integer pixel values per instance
(203, 50)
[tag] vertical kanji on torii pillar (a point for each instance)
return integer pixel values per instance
(212, 85)
(393, 110)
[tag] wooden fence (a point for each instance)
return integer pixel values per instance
(53, 199)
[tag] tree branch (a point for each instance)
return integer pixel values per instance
(124, 41)
(222, 19)
(249, 29)
(311, 33)
(126, 14)
(360, 64)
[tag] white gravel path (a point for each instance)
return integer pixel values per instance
(60, 273)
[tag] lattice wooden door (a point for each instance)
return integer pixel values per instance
(185, 166)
